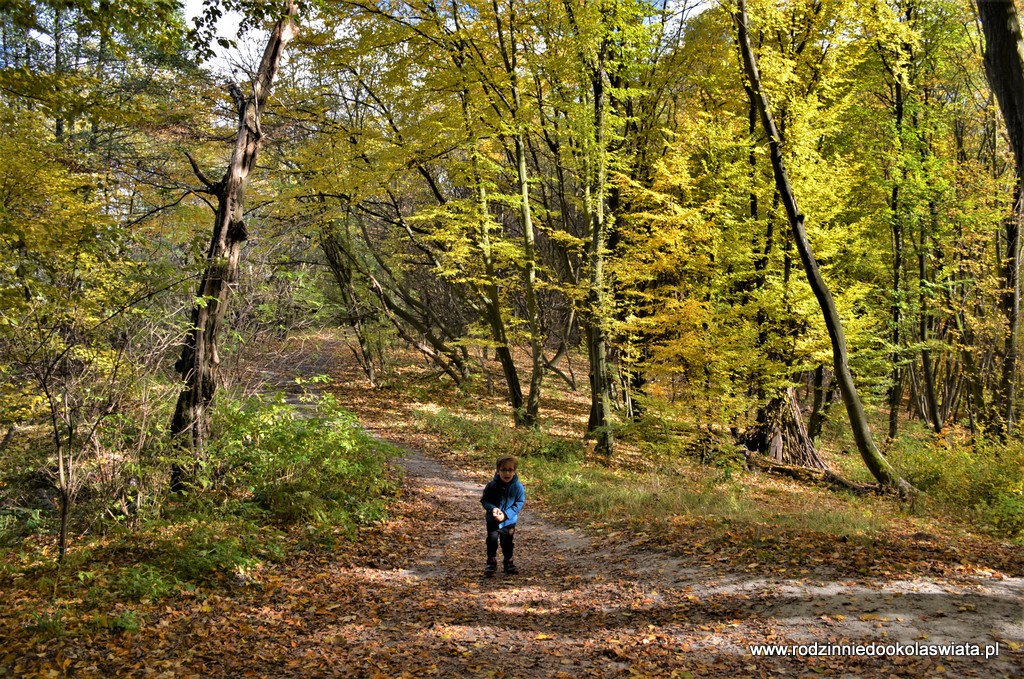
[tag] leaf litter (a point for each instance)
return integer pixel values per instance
(408, 600)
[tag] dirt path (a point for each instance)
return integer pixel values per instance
(408, 600)
(594, 605)
(603, 608)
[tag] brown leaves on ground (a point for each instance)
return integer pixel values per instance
(680, 598)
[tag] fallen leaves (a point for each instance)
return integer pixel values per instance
(406, 600)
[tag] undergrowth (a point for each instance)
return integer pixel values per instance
(276, 478)
(697, 472)
(966, 477)
(673, 487)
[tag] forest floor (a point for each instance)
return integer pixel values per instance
(623, 603)
(408, 598)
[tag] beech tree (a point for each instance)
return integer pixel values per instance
(1004, 64)
(876, 463)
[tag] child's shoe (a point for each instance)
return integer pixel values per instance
(510, 568)
(491, 569)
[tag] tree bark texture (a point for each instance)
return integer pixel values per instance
(873, 459)
(1004, 65)
(199, 360)
(529, 418)
(493, 311)
(896, 388)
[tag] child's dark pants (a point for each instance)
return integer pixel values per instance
(496, 535)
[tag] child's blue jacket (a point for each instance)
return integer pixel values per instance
(509, 498)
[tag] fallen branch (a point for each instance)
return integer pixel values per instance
(807, 474)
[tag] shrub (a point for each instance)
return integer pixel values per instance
(145, 583)
(984, 478)
(318, 466)
(126, 621)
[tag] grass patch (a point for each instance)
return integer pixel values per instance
(607, 495)
(486, 440)
(656, 498)
(277, 479)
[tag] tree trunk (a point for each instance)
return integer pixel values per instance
(199, 359)
(492, 299)
(1004, 65)
(509, 57)
(933, 415)
(529, 417)
(8, 437)
(495, 318)
(342, 271)
(599, 423)
(873, 459)
(822, 402)
(779, 432)
(896, 388)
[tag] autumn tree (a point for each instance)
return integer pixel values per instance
(875, 462)
(199, 359)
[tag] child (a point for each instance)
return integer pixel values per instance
(503, 499)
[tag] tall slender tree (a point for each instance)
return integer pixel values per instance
(1004, 64)
(199, 358)
(876, 463)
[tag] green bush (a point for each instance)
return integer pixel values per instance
(126, 621)
(145, 582)
(317, 466)
(1004, 514)
(211, 550)
(984, 478)
(49, 624)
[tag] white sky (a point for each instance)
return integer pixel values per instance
(227, 27)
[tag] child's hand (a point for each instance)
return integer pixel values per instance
(498, 514)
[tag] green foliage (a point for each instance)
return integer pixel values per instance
(656, 497)
(665, 434)
(125, 621)
(49, 624)
(320, 468)
(144, 582)
(608, 495)
(983, 478)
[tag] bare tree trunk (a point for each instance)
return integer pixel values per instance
(1004, 64)
(599, 423)
(896, 388)
(873, 459)
(199, 360)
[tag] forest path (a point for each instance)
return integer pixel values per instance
(410, 600)
(602, 607)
